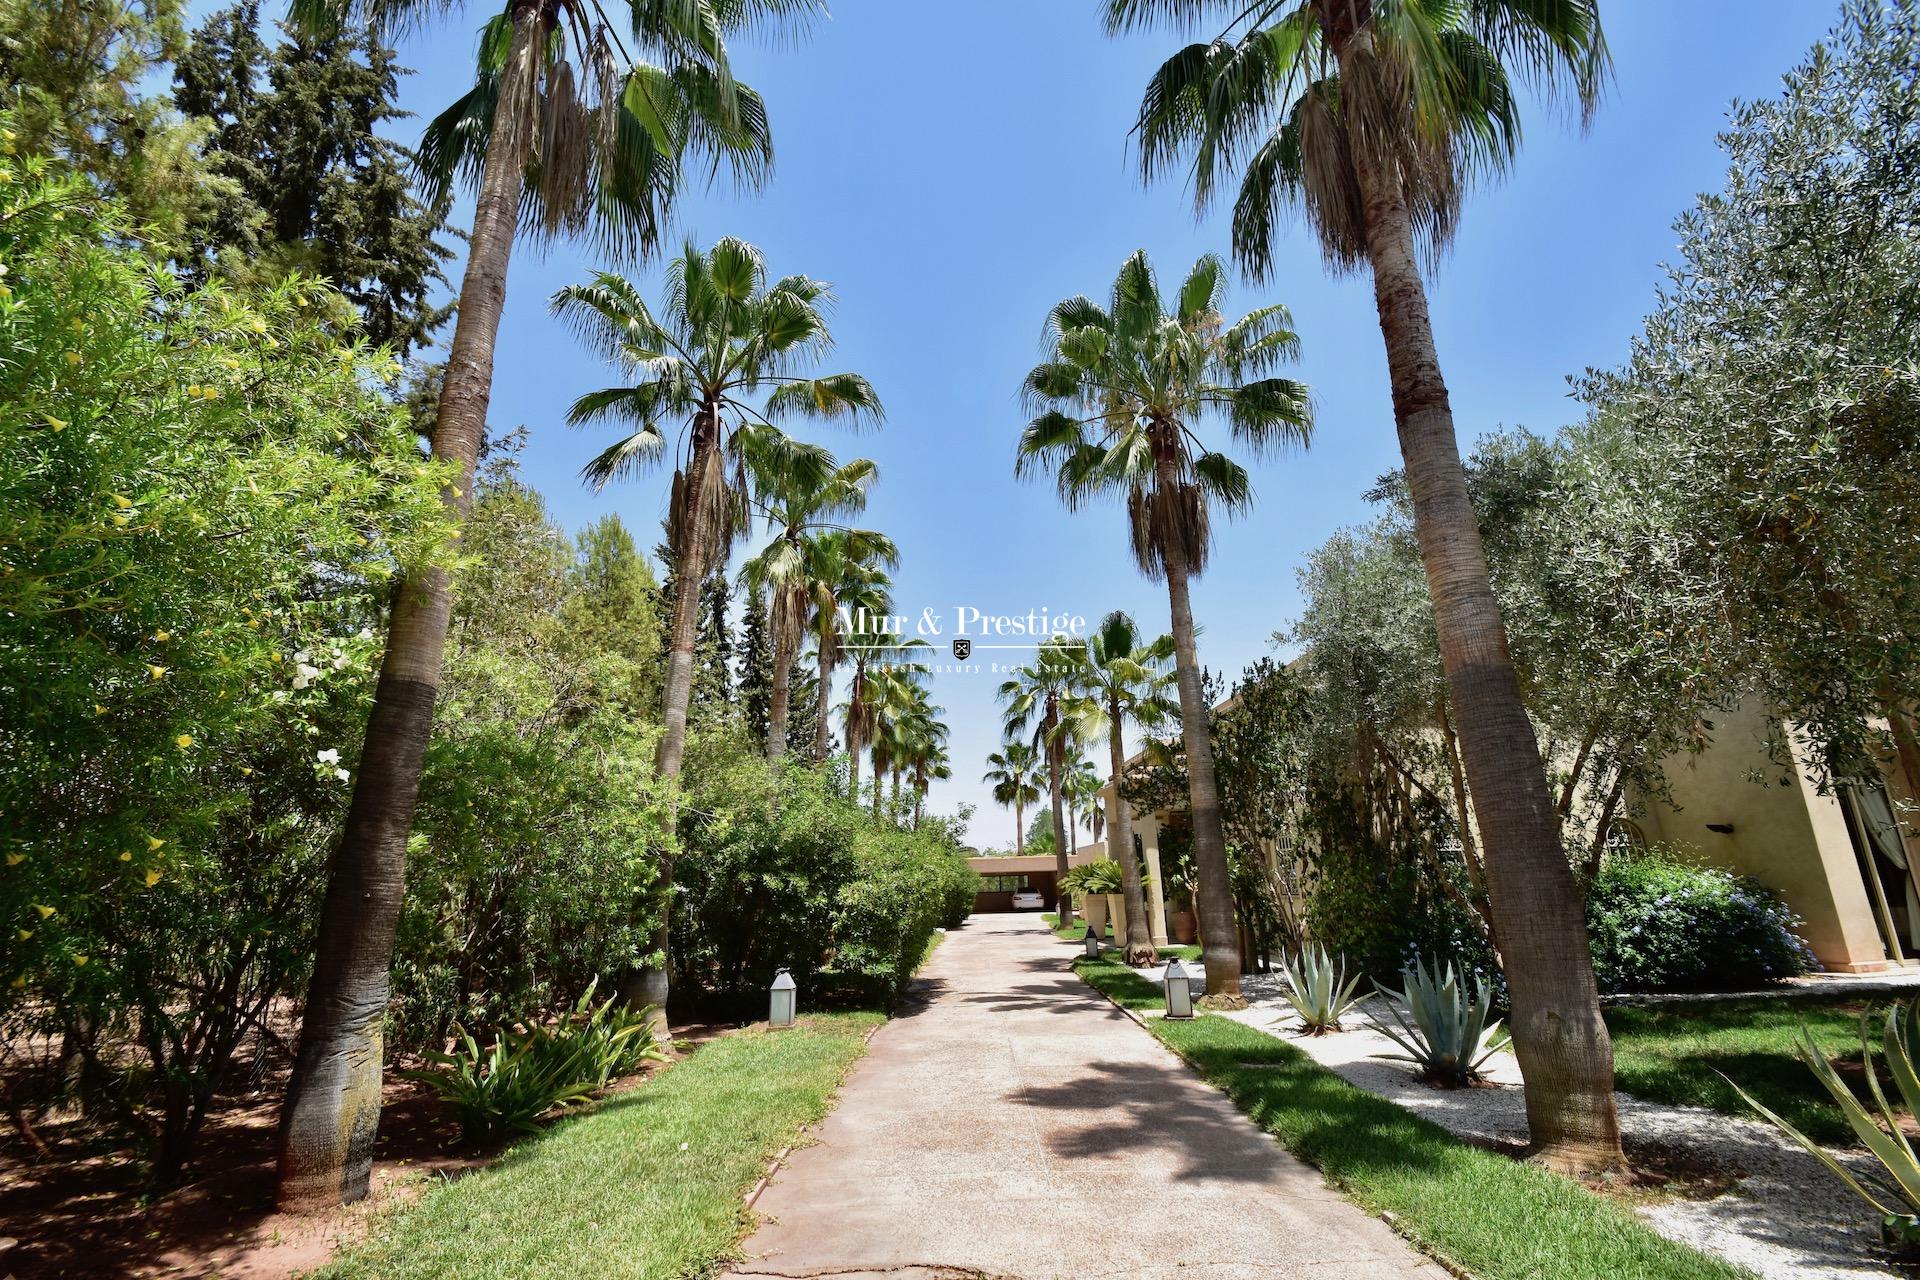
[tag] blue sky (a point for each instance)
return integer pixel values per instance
(954, 170)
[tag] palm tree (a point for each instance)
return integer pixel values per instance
(725, 339)
(931, 764)
(1373, 116)
(1012, 770)
(793, 568)
(1126, 677)
(886, 690)
(1117, 403)
(1081, 786)
(848, 582)
(582, 128)
(1040, 703)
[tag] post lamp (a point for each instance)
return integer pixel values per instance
(1179, 991)
(780, 1010)
(1092, 945)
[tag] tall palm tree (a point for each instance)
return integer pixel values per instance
(848, 581)
(1126, 677)
(887, 685)
(1013, 771)
(1040, 703)
(1081, 787)
(1373, 117)
(793, 567)
(931, 764)
(721, 362)
(1117, 405)
(581, 128)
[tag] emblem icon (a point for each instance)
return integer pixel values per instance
(962, 648)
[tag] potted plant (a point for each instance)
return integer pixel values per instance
(1098, 885)
(1177, 865)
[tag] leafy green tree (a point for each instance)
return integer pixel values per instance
(756, 669)
(726, 338)
(76, 74)
(610, 619)
(1117, 404)
(1014, 771)
(1373, 117)
(713, 693)
(540, 819)
(1767, 407)
(204, 497)
(309, 182)
(1125, 677)
(569, 123)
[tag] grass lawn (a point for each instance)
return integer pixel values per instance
(648, 1185)
(1072, 933)
(1495, 1217)
(1673, 1052)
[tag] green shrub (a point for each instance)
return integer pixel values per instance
(777, 870)
(1660, 924)
(503, 1089)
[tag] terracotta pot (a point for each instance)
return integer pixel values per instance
(1185, 927)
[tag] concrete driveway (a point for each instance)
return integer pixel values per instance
(1012, 1123)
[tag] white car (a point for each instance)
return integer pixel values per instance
(1027, 900)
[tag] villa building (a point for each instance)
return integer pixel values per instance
(1845, 860)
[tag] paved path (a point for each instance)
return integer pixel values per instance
(1014, 1124)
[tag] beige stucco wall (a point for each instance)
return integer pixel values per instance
(1785, 835)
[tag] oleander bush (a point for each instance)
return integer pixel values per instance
(1660, 923)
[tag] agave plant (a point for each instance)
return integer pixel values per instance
(1318, 989)
(1897, 1197)
(1447, 1031)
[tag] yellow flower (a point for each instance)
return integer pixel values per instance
(121, 501)
(121, 519)
(58, 424)
(246, 771)
(163, 636)
(73, 358)
(15, 859)
(43, 910)
(184, 741)
(25, 934)
(273, 657)
(154, 843)
(193, 391)
(80, 961)
(153, 877)
(99, 710)
(156, 672)
(126, 855)
(259, 325)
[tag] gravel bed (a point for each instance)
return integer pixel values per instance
(1786, 1216)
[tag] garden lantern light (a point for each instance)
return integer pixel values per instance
(1092, 945)
(780, 1010)
(1179, 991)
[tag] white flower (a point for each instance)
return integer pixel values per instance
(330, 756)
(341, 774)
(366, 633)
(302, 656)
(339, 661)
(305, 675)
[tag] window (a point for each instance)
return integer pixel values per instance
(1002, 884)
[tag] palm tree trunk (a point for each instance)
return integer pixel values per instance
(1064, 905)
(786, 642)
(332, 1109)
(1139, 939)
(1213, 899)
(1565, 1054)
(651, 984)
(823, 701)
(1019, 830)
